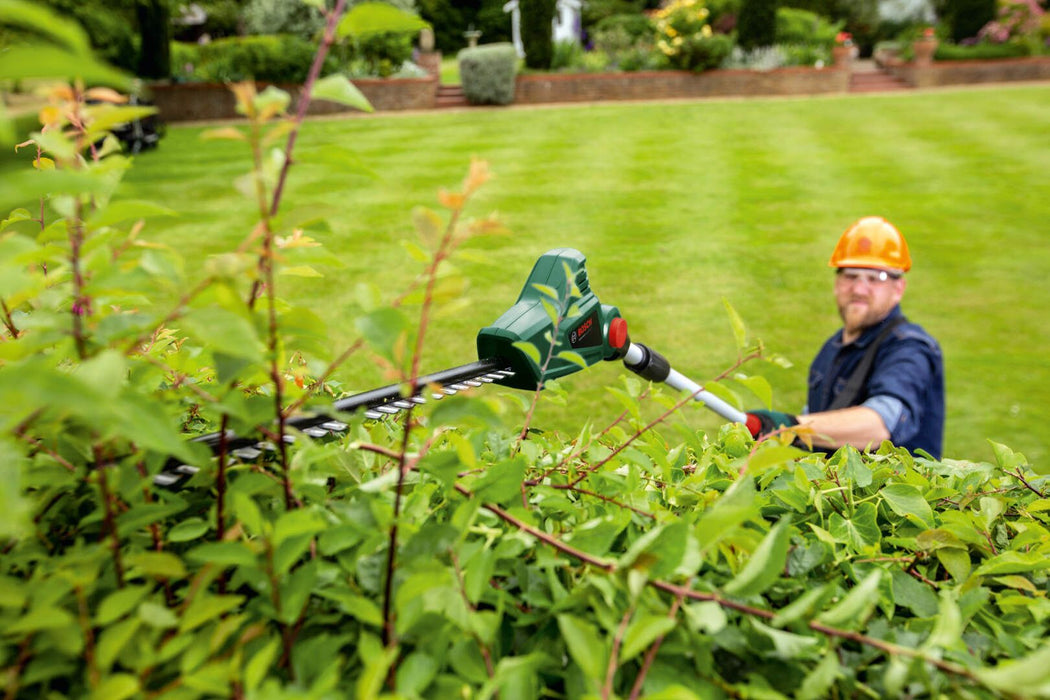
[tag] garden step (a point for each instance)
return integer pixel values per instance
(450, 96)
(876, 81)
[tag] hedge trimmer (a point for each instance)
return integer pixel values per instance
(531, 343)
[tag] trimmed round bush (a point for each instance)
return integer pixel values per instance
(487, 73)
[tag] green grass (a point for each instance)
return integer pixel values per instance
(677, 206)
(450, 71)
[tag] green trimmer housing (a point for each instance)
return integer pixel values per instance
(586, 333)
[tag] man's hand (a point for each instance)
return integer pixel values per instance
(762, 422)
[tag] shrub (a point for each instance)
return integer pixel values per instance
(567, 55)
(685, 37)
(1018, 20)
(805, 54)
(757, 23)
(635, 26)
(640, 57)
(595, 12)
(185, 59)
(380, 53)
(536, 17)
(980, 51)
(723, 15)
(110, 31)
(966, 17)
(442, 554)
(225, 18)
(487, 73)
(280, 58)
(596, 62)
(805, 28)
(627, 40)
(282, 17)
(759, 58)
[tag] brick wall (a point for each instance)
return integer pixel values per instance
(655, 85)
(204, 101)
(1003, 70)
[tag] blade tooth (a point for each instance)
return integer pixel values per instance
(266, 446)
(448, 391)
(437, 397)
(187, 469)
(246, 453)
(166, 479)
(402, 404)
(486, 378)
(458, 387)
(374, 415)
(315, 432)
(471, 382)
(388, 409)
(335, 426)
(418, 400)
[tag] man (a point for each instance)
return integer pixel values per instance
(879, 377)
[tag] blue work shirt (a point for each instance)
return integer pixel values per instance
(905, 387)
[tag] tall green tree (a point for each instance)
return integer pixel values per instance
(536, 32)
(757, 23)
(966, 17)
(154, 19)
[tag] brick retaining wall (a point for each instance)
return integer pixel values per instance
(1003, 70)
(656, 85)
(182, 102)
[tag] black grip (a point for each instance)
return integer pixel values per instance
(653, 366)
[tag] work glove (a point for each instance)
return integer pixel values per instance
(762, 422)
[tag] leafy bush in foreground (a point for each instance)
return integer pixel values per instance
(456, 552)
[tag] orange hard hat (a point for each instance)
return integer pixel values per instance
(872, 242)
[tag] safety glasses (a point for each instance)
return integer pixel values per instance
(851, 276)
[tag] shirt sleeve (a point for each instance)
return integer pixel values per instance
(901, 378)
(889, 408)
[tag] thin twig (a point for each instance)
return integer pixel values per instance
(109, 518)
(9, 322)
(650, 654)
(332, 21)
(1017, 475)
(614, 653)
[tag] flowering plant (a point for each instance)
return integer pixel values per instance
(844, 39)
(685, 37)
(927, 33)
(1017, 18)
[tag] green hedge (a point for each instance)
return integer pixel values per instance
(806, 28)
(276, 58)
(982, 51)
(488, 73)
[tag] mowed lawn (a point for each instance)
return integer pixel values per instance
(678, 206)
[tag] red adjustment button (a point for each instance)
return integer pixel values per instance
(617, 333)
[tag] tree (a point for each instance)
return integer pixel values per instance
(154, 17)
(536, 32)
(966, 17)
(757, 23)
